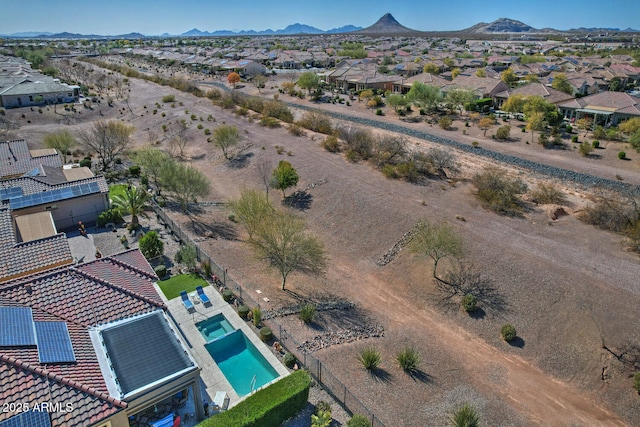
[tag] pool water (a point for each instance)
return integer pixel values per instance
(239, 360)
(214, 327)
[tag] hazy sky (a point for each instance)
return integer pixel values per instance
(154, 17)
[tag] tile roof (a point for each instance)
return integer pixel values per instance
(16, 159)
(84, 296)
(620, 102)
(36, 184)
(21, 258)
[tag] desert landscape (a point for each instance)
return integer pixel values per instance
(569, 288)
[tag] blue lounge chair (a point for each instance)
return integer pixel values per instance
(203, 297)
(186, 301)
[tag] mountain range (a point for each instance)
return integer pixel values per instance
(386, 25)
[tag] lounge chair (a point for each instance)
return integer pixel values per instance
(203, 297)
(186, 301)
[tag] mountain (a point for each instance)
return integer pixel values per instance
(502, 25)
(299, 29)
(386, 25)
(344, 29)
(27, 34)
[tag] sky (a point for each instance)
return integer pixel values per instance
(154, 17)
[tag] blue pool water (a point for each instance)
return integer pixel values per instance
(239, 360)
(214, 327)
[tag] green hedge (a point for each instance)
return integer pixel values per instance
(268, 407)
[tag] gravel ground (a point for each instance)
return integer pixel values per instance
(317, 394)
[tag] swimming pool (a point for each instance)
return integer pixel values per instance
(239, 360)
(214, 327)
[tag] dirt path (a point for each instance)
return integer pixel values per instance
(546, 401)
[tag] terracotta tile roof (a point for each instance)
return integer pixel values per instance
(19, 259)
(84, 296)
(15, 159)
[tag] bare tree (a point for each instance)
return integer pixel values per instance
(264, 169)
(108, 139)
(179, 136)
(443, 160)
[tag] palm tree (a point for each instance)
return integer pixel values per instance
(133, 201)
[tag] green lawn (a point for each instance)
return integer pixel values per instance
(182, 282)
(116, 189)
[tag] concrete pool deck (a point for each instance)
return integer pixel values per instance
(211, 375)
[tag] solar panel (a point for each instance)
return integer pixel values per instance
(28, 419)
(54, 343)
(35, 199)
(10, 193)
(16, 327)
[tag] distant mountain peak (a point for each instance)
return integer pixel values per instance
(386, 25)
(502, 25)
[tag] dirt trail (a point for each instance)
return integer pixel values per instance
(543, 399)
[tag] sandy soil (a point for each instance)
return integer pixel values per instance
(567, 287)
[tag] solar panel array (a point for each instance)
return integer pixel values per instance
(54, 195)
(54, 343)
(16, 327)
(28, 419)
(10, 193)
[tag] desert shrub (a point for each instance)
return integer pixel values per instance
(622, 155)
(358, 420)
(278, 110)
(498, 191)
(469, 303)
(317, 122)
(85, 163)
(389, 171)
(408, 359)
(265, 334)
(408, 171)
(270, 122)
(569, 128)
(134, 170)
(289, 360)
(213, 94)
(168, 98)
(508, 332)
(370, 358)
(307, 313)
(200, 126)
(150, 245)
(188, 256)
(611, 212)
(636, 381)
(574, 138)
(257, 316)
(503, 132)
(331, 144)
(206, 268)
(596, 144)
(465, 416)
(445, 123)
(243, 311)
(194, 117)
(585, 148)
(112, 215)
(160, 270)
(296, 130)
(227, 295)
(207, 131)
(358, 141)
(546, 193)
(321, 419)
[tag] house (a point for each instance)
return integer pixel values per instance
(605, 108)
(41, 91)
(16, 158)
(68, 195)
(94, 342)
(549, 94)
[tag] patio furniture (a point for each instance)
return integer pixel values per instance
(203, 297)
(179, 400)
(186, 301)
(164, 422)
(221, 400)
(194, 297)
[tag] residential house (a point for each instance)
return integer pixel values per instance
(34, 91)
(94, 340)
(532, 89)
(16, 158)
(605, 108)
(68, 195)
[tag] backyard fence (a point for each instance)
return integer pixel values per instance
(320, 373)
